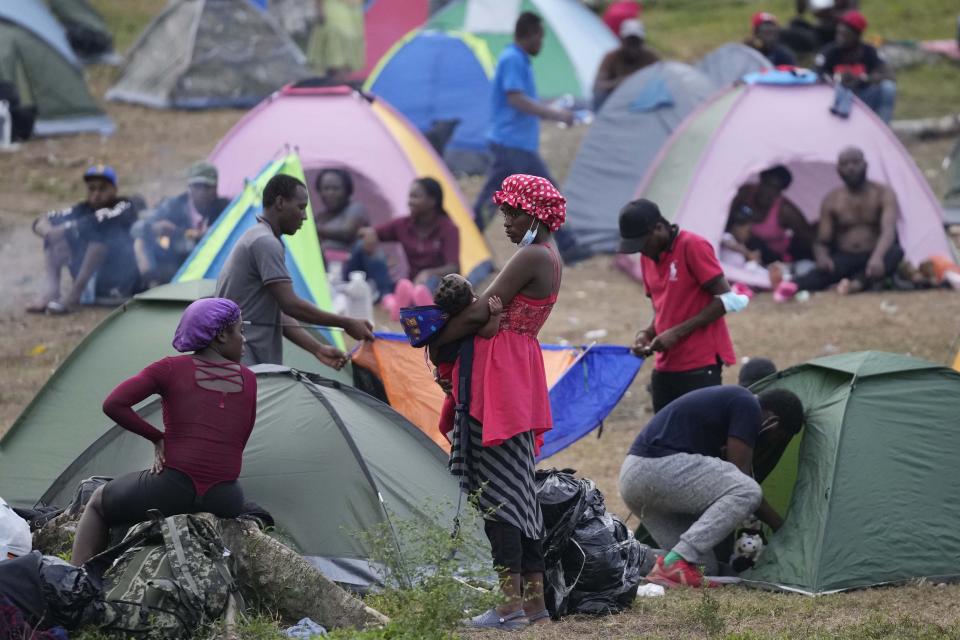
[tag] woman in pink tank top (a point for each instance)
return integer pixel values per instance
(504, 389)
(780, 232)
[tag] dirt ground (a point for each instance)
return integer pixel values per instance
(151, 151)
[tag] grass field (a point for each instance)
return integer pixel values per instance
(151, 148)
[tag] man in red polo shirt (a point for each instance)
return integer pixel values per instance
(690, 296)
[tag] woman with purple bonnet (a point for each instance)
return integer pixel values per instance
(502, 383)
(209, 406)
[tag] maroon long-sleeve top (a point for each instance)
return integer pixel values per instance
(205, 430)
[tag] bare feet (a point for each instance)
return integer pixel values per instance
(847, 286)
(776, 274)
(40, 306)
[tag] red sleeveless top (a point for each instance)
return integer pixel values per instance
(509, 392)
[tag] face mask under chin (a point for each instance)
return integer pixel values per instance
(531, 234)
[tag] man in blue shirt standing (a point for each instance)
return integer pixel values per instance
(514, 134)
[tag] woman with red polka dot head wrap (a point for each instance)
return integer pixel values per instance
(502, 381)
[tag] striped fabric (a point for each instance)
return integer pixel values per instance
(500, 477)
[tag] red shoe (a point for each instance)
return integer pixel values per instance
(679, 574)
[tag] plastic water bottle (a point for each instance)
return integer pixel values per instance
(6, 124)
(359, 297)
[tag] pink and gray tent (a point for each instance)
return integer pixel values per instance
(635, 121)
(340, 127)
(730, 139)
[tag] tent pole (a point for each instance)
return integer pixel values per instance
(363, 467)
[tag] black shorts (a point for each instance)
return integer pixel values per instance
(127, 499)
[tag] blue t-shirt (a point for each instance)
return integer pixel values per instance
(700, 422)
(510, 127)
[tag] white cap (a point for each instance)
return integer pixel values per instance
(15, 536)
(632, 27)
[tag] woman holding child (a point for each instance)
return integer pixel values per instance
(494, 446)
(209, 406)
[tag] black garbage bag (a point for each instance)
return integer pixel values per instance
(594, 565)
(49, 591)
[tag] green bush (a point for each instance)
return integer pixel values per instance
(433, 579)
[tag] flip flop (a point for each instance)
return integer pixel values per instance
(490, 619)
(56, 308)
(539, 615)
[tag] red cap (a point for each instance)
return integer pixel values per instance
(760, 17)
(855, 20)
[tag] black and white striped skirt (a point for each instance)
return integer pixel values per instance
(499, 479)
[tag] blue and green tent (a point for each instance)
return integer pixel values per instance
(304, 256)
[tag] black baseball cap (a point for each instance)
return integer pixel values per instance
(637, 219)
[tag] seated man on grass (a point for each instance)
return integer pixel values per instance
(619, 64)
(856, 246)
(91, 239)
(163, 240)
(857, 68)
(689, 475)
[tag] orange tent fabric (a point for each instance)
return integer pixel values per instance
(408, 380)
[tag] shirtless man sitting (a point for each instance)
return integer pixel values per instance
(856, 244)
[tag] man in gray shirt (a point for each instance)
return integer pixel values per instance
(255, 277)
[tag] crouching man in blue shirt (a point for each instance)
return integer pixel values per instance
(689, 475)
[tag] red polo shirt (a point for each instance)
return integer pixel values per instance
(675, 284)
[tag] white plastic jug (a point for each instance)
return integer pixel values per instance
(359, 297)
(6, 124)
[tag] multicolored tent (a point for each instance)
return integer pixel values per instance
(206, 54)
(432, 76)
(585, 385)
(65, 417)
(37, 59)
(730, 139)
(574, 44)
(874, 468)
(620, 146)
(303, 256)
(340, 127)
(387, 21)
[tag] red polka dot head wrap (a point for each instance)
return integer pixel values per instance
(535, 196)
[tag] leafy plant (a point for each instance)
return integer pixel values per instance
(432, 579)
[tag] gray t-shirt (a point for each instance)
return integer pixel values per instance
(257, 260)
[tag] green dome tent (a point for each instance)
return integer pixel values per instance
(37, 59)
(575, 40)
(65, 416)
(326, 460)
(869, 486)
(86, 30)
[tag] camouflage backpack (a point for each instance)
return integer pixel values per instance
(172, 578)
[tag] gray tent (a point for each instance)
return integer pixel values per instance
(951, 199)
(326, 460)
(731, 61)
(622, 143)
(205, 54)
